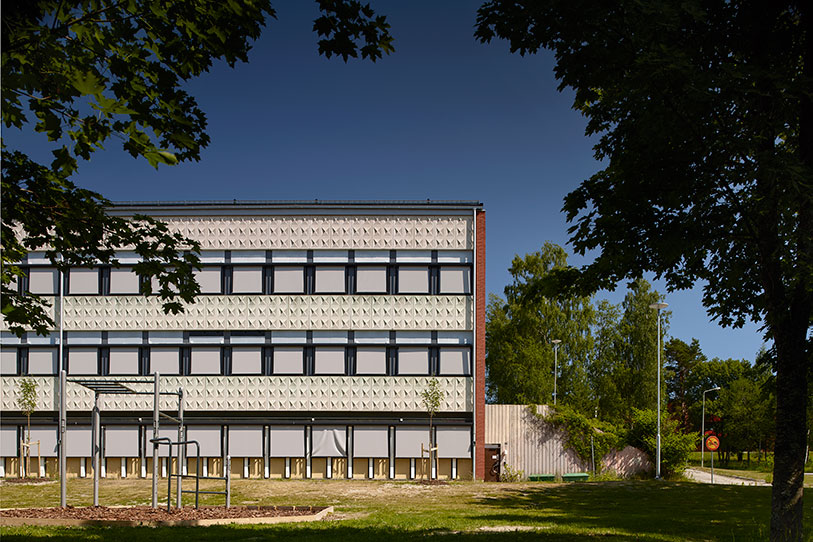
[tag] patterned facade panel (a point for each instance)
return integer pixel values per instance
(327, 232)
(245, 312)
(259, 393)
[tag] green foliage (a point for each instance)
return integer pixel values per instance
(432, 396)
(510, 475)
(579, 429)
(703, 114)
(681, 360)
(27, 396)
(676, 446)
(519, 331)
(85, 73)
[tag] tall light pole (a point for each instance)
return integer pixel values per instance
(658, 307)
(703, 435)
(555, 365)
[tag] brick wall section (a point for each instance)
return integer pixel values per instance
(480, 326)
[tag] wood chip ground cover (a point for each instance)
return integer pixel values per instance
(146, 513)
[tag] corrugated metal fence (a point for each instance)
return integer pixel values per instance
(536, 447)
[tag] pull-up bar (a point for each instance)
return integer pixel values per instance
(115, 387)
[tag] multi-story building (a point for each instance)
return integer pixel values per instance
(317, 328)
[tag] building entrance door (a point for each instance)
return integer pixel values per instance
(493, 462)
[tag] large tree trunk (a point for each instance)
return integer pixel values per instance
(788, 321)
(791, 429)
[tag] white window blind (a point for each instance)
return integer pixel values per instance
(413, 361)
(166, 431)
(246, 440)
(329, 441)
(454, 441)
(209, 280)
(455, 361)
(247, 280)
(209, 439)
(371, 361)
(8, 441)
(166, 361)
(413, 280)
(205, 360)
(288, 360)
(84, 281)
(408, 441)
(455, 280)
(123, 361)
(330, 280)
(247, 360)
(289, 280)
(83, 361)
(42, 361)
(8, 361)
(371, 280)
(371, 441)
(329, 361)
(121, 440)
(43, 280)
(78, 441)
(287, 441)
(47, 437)
(123, 281)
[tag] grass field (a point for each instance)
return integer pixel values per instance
(640, 510)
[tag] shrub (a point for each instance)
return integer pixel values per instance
(578, 429)
(510, 474)
(675, 446)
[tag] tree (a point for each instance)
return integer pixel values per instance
(432, 397)
(88, 72)
(680, 362)
(519, 331)
(746, 413)
(704, 114)
(27, 403)
(638, 331)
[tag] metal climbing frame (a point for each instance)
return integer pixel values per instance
(180, 476)
(116, 387)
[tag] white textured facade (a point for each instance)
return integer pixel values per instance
(317, 329)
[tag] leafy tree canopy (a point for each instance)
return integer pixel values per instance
(704, 113)
(94, 71)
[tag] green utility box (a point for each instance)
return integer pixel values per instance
(542, 477)
(576, 477)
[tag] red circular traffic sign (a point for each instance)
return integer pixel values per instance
(712, 443)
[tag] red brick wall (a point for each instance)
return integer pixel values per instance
(480, 327)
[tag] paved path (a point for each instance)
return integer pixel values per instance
(705, 478)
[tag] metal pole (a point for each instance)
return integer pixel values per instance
(155, 414)
(63, 488)
(228, 481)
(555, 368)
(712, 466)
(181, 447)
(63, 411)
(658, 466)
(703, 434)
(97, 448)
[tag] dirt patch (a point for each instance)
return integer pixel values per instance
(32, 481)
(148, 514)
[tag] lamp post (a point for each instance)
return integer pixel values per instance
(703, 425)
(555, 365)
(658, 307)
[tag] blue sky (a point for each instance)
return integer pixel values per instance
(442, 118)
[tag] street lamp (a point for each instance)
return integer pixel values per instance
(555, 365)
(703, 440)
(658, 307)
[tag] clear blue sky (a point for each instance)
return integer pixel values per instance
(442, 118)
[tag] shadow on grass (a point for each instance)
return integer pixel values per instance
(647, 511)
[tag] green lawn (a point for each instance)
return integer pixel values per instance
(647, 511)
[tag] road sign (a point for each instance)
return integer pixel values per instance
(712, 443)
